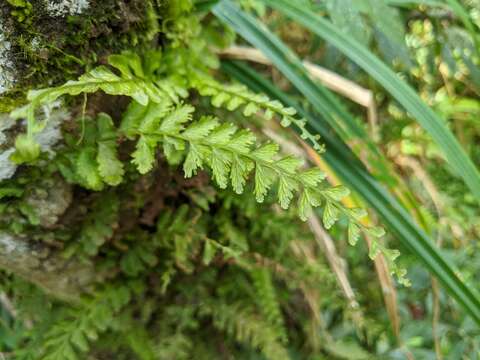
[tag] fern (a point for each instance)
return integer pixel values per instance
(132, 81)
(110, 167)
(212, 248)
(247, 328)
(228, 153)
(140, 257)
(95, 162)
(72, 333)
(96, 228)
(267, 299)
(233, 156)
(235, 96)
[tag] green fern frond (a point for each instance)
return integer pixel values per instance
(110, 167)
(96, 228)
(267, 300)
(95, 162)
(234, 96)
(79, 326)
(229, 153)
(139, 258)
(241, 323)
(131, 81)
(212, 247)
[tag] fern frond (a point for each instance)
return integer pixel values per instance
(246, 327)
(140, 257)
(267, 300)
(110, 167)
(95, 162)
(96, 228)
(81, 325)
(233, 156)
(229, 153)
(212, 247)
(131, 81)
(234, 96)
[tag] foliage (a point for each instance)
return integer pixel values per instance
(157, 115)
(169, 187)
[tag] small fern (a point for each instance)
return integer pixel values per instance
(248, 328)
(71, 334)
(267, 300)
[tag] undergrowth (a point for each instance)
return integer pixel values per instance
(185, 267)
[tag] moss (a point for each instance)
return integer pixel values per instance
(48, 48)
(10, 101)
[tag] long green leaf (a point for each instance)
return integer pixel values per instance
(398, 88)
(342, 160)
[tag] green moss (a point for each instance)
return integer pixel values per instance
(10, 101)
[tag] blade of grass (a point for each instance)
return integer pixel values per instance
(398, 88)
(354, 174)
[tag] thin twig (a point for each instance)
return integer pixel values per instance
(7, 304)
(326, 243)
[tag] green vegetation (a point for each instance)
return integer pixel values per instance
(239, 179)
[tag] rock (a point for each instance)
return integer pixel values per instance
(47, 138)
(7, 66)
(50, 201)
